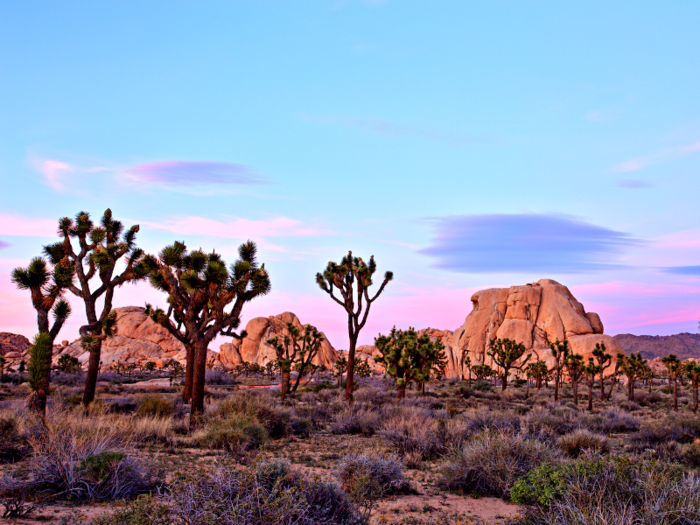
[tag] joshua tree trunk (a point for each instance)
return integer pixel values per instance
(574, 388)
(286, 376)
(400, 390)
(556, 386)
(675, 393)
(198, 378)
(349, 384)
(92, 373)
(695, 396)
(189, 374)
(590, 396)
(630, 389)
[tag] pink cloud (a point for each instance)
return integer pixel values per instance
(630, 165)
(186, 173)
(30, 227)
(239, 228)
(53, 171)
(643, 162)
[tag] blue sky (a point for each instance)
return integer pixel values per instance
(464, 144)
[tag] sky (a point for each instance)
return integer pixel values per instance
(466, 145)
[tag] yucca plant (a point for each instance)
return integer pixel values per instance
(505, 354)
(604, 360)
(297, 348)
(590, 371)
(633, 367)
(205, 299)
(352, 278)
(692, 370)
(560, 351)
(38, 372)
(98, 250)
(674, 366)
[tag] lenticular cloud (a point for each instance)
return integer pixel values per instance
(192, 172)
(524, 243)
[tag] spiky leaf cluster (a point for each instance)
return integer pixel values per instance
(40, 362)
(506, 353)
(408, 357)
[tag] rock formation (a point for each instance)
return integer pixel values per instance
(254, 349)
(534, 314)
(14, 348)
(684, 345)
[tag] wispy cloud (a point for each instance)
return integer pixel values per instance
(660, 156)
(190, 172)
(239, 228)
(395, 129)
(3, 244)
(682, 270)
(633, 184)
(54, 171)
(11, 224)
(524, 243)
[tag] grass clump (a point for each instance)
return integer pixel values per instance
(236, 434)
(154, 405)
(492, 462)
(583, 440)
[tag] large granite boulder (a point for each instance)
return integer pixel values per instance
(254, 348)
(534, 314)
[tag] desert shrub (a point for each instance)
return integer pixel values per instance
(355, 419)
(218, 377)
(583, 440)
(69, 378)
(646, 399)
(9, 432)
(479, 420)
(87, 458)
(629, 406)
(492, 462)
(317, 415)
(549, 422)
(685, 428)
(611, 420)
(155, 406)
(691, 454)
(609, 490)
(264, 494)
(145, 510)
(258, 406)
(368, 478)
(236, 434)
(153, 429)
(482, 386)
(321, 385)
(653, 433)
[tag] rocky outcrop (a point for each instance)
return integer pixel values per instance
(254, 348)
(14, 348)
(534, 314)
(684, 345)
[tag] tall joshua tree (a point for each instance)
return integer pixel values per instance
(675, 367)
(633, 367)
(47, 286)
(352, 278)
(560, 351)
(99, 250)
(590, 371)
(206, 299)
(604, 360)
(505, 353)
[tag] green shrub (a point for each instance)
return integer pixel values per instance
(99, 466)
(540, 486)
(483, 386)
(235, 434)
(277, 421)
(155, 406)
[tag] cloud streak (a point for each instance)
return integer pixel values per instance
(633, 184)
(239, 228)
(395, 129)
(524, 243)
(683, 270)
(190, 172)
(54, 171)
(667, 154)
(27, 227)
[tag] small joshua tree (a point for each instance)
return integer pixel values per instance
(505, 353)
(538, 371)
(340, 367)
(47, 287)
(69, 364)
(590, 371)
(150, 366)
(362, 368)
(675, 368)
(99, 250)
(20, 369)
(352, 278)
(467, 363)
(574, 369)
(300, 347)
(634, 368)
(409, 358)
(200, 290)
(604, 361)
(692, 370)
(483, 372)
(560, 351)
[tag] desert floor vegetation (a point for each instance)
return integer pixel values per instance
(452, 454)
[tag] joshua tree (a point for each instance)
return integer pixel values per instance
(560, 351)
(468, 364)
(99, 250)
(590, 371)
(352, 277)
(299, 347)
(150, 366)
(505, 353)
(483, 372)
(408, 357)
(634, 368)
(68, 364)
(675, 368)
(362, 368)
(537, 371)
(692, 370)
(604, 361)
(200, 289)
(20, 370)
(3, 361)
(574, 369)
(47, 287)
(340, 366)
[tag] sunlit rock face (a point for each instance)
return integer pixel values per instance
(535, 315)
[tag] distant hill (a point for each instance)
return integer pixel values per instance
(685, 345)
